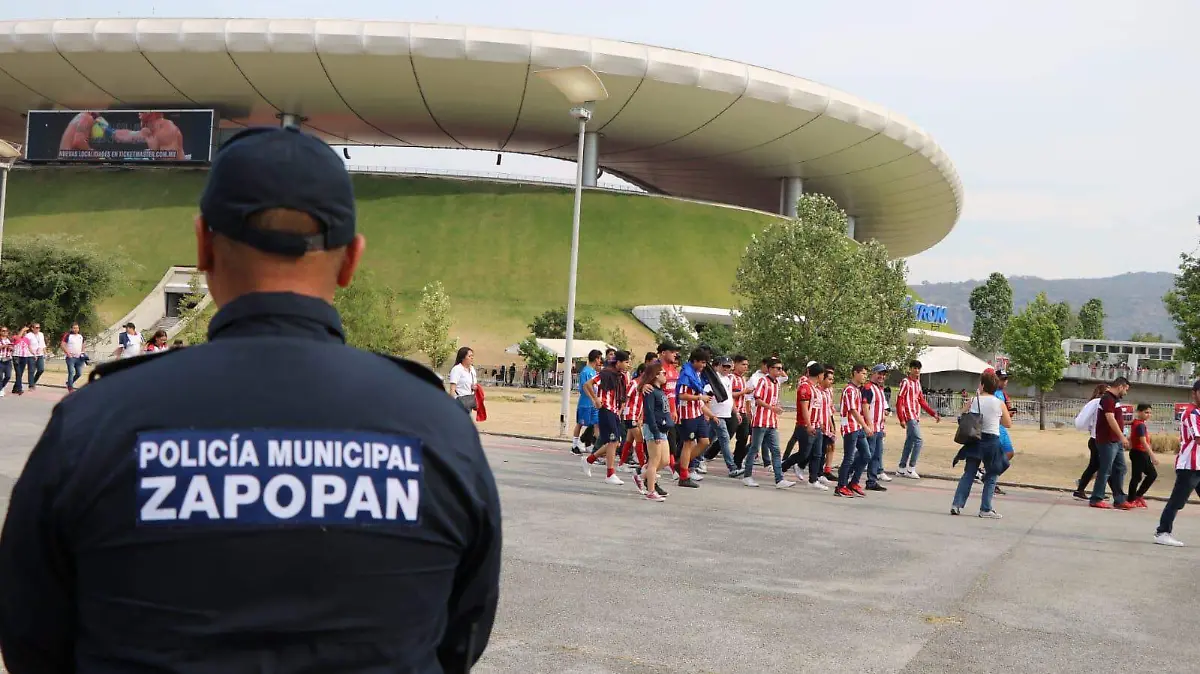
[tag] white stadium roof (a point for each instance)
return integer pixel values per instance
(678, 123)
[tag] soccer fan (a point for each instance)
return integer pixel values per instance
(856, 431)
(725, 422)
(752, 384)
(656, 412)
(694, 416)
(909, 403)
(875, 401)
(742, 395)
(805, 392)
(608, 390)
(1142, 462)
(1187, 470)
(586, 415)
(822, 426)
(631, 414)
(765, 426)
(1110, 438)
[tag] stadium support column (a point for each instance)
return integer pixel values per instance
(790, 190)
(591, 158)
(851, 223)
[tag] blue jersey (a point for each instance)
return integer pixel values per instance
(585, 375)
(1005, 440)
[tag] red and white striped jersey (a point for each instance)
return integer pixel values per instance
(21, 347)
(851, 400)
(766, 396)
(633, 401)
(607, 399)
(804, 391)
(690, 409)
(6, 349)
(1189, 438)
(739, 384)
(911, 400)
(672, 380)
(822, 404)
(878, 416)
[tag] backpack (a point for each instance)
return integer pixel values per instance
(1086, 419)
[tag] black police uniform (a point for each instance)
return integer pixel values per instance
(272, 501)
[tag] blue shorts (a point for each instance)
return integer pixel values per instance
(694, 429)
(654, 435)
(611, 428)
(587, 416)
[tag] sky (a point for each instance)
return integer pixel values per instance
(1072, 123)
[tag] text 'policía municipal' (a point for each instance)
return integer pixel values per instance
(264, 477)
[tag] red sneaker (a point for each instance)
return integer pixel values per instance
(843, 491)
(858, 490)
(1103, 505)
(1141, 503)
(1126, 506)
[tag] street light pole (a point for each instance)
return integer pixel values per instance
(583, 114)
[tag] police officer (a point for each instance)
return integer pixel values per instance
(272, 501)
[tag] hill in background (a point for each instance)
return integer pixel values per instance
(1132, 301)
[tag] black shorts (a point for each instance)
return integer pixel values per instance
(695, 429)
(630, 424)
(611, 428)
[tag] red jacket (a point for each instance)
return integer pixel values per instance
(480, 410)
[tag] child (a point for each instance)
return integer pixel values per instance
(1141, 457)
(656, 411)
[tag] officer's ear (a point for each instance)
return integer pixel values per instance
(354, 251)
(204, 247)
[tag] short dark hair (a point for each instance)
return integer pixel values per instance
(699, 354)
(594, 354)
(621, 356)
(816, 370)
(1120, 381)
(739, 358)
(829, 368)
(1142, 407)
(650, 355)
(858, 368)
(766, 361)
(772, 362)
(914, 363)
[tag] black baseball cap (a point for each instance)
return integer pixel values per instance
(1001, 373)
(270, 167)
(667, 346)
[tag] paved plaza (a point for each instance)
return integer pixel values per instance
(729, 579)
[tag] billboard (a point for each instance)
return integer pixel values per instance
(169, 136)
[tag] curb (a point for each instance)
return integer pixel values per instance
(944, 478)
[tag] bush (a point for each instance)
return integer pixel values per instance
(1165, 443)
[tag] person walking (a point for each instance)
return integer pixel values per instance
(909, 403)
(1142, 462)
(463, 379)
(345, 518)
(765, 426)
(608, 390)
(1110, 440)
(1086, 420)
(22, 359)
(37, 354)
(855, 429)
(875, 402)
(1187, 470)
(804, 398)
(6, 358)
(656, 413)
(72, 348)
(986, 451)
(742, 395)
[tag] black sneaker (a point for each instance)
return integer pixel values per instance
(658, 488)
(828, 475)
(876, 487)
(999, 490)
(576, 449)
(689, 483)
(1078, 493)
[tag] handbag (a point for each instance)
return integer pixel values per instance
(970, 426)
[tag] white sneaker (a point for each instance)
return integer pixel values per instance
(784, 484)
(1168, 539)
(818, 486)
(912, 474)
(1, 393)
(674, 475)
(625, 469)
(600, 461)
(613, 479)
(702, 467)
(823, 481)
(587, 467)
(749, 482)
(798, 473)
(697, 476)
(884, 477)
(990, 515)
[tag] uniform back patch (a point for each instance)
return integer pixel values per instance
(277, 477)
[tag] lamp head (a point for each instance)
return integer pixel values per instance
(9, 153)
(579, 84)
(582, 112)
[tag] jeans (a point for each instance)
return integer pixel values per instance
(5, 373)
(1186, 482)
(800, 458)
(1142, 474)
(855, 455)
(912, 444)
(816, 456)
(968, 480)
(720, 435)
(875, 466)
(1110, 463)
(37, 365)
(766, 440)
(74, 369)
(19, 364)
(743, 441)
(1090, 471)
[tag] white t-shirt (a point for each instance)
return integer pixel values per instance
(133, 345)
(723, 410)
(750, 386)
(37, 343)
(463, 379)
(74, 345)
(990, 409)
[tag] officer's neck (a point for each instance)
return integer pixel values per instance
(224, 293)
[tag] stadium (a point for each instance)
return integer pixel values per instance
(718, 147)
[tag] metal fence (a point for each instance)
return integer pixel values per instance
(1060, 412)
(1107, 373)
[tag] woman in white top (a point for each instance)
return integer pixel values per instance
(987, 451)
(462, 378)
(37, 351)
(72, 347)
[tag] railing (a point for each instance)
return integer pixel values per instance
(1139, 376)
(487, 175)
(1060, 412)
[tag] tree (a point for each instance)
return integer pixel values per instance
(806, 291)
(1146, 337)
(371, 316)
(195, 311)
(1065, 319)
(1183, 305)
(433, 332)
(536, 357)
(721, 338)
(57, 281)
(675, 329)
(1091, 320)
(618, 338)
(992, 303)
(1034, 348)
(552, 324)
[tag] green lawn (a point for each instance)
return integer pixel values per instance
(501, 250)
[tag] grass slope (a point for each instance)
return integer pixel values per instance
(500, 249)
